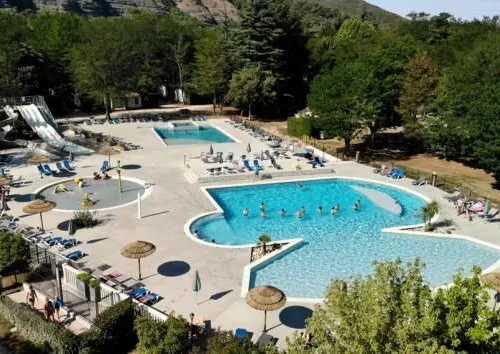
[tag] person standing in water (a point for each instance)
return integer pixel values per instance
(320, 210)
(282, 212)
(262, 207)
(263, 213)
(245, 212)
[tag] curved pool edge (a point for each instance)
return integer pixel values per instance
(219, 211)
(147, 192)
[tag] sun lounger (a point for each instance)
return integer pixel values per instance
(75, 255)
(42, 171)
(257, 164)
(247, 165)
(399, 174)
(420, 182)
(105, 166)
(265, 338)
(53, 241)
(60, 167)
(392, 172)
(68, 166)
(241, 333)
(47, 169)
(318, 161)
(136, 293)
(69, 242)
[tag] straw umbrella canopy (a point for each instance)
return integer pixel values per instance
(108, 150)
(492, 280)
(266, 298)
(39, 206)
(138, 250)
(38, 158)
(4, 180)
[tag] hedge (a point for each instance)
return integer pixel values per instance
(159, 337)
(298, 126)
(33, 326)
(112, 331)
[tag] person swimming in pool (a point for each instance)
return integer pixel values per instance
(320, 210)
(355, 207)
(245, 212)
(299, 214)
(282, 212)
(333, 210)
(300, 185)
(262, 214)
(302, 210)
(262, 207)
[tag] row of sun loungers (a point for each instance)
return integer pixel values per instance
(395, 173)
(485, 211)
(61, 167)
(144, 296)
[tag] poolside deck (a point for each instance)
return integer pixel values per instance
(173, 201)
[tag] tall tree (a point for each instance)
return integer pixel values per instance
(102, 63)
(14, 254)
(344, 101)
(213, 67)
(420, 82)
(250, 86)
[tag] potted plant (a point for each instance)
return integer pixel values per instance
(82, 284)
(428, 212)
(95, 289)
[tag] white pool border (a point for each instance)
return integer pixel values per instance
(147, 192)
(294, 243)
(206, 124)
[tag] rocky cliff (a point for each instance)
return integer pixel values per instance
(207, 11)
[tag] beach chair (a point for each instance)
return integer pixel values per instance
(60, 167)
(392, 172)
(69, 242)
(53, 241)
(420, 182)
(247, 165)
(47, 169)
(399, 174)
(105, 166)
(241, 333)
(68, 166)
(256, 164)
(75, 255)
(42, 171)
(318, 161)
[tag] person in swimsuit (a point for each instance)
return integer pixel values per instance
(282, 212)
(48, 310)
(320, 210)
(31, 296)
(245, 212)
(57, 308)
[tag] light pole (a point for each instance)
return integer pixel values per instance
(119, 171)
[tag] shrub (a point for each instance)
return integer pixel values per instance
(32, 325)
(112, 330)
(85, 277)
(86, 218)
(164, 337)
(14, 254)
(94, 283)
(224, 342)
(299, 126)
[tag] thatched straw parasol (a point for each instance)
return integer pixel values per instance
(38, 158)
(491, 280)
(108, 150)
(4, 180)
(138, 250)
(266, 298)
(39, 206)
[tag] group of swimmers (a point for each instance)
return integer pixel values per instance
(301, 212)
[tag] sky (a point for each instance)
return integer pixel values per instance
(466, 9)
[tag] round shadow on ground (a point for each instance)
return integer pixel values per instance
(295, 316)
(173, 268)
(23, 198)
(131, 167)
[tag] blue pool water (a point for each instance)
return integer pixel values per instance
(206, 134)
(335, 246)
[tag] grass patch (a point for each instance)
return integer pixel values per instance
(14, 342)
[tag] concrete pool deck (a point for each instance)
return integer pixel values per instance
(173, 202)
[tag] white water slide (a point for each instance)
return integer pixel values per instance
(46, 132)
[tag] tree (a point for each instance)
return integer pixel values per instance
(180, 50)
(224, 342)
(419, 91)
(428, 212)
(102, 63)
(14, 254)
(250, 86)
(213, 68)
(394, 311)
(164, 337)
(344, 101)
(264, 240)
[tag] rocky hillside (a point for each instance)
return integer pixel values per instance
(207, 11)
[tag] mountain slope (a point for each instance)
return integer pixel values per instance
(362, 8)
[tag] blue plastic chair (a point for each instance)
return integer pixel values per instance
(247, 165)
(74, 255)
(241, 333)
(68, 166)
(42, 171)
(48, 169)
(105, 166)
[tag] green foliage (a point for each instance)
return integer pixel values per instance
(224, 342)
(299, 126)
(86, 218)
(14, 254)
(94, 283)
(428, 212)
(165, 337)
(32, 325)
(264, 240)
(394, 311)
(112, 331)
(84, 277)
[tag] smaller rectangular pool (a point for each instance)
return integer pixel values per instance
(205, 134)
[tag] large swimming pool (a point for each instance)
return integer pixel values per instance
(205, 134)
(337, 246)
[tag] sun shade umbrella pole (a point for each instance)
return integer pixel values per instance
(266, 298)
(139, 263)
(138, 250)
(41, 222)
(39, 206)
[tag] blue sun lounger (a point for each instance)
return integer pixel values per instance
(247, 165)
(393, 172)
(256, 164)
(60, 167)
(69, 242)
(105, 166)
(68, 166)
(74, 255)
(47, 169)
(241, 333)
(54, 241)
(399, 174)
(42, 171)
(137, 292)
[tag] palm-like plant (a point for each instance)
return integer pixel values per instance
(428, 212)
(263, 240)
